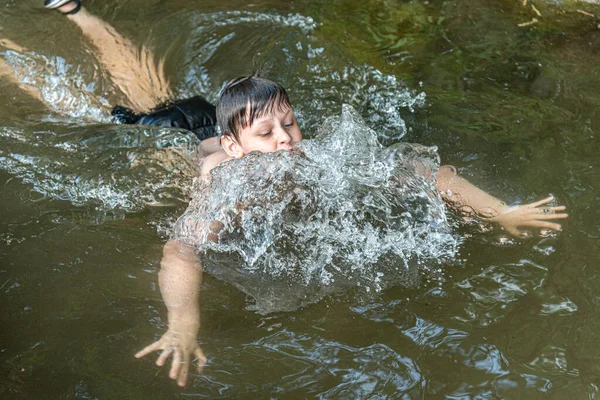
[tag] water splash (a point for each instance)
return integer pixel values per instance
(59, 84)
(228, 18)
(319, 77)
(216, 38)
(340, 211)
(379, 97)
(107, 168)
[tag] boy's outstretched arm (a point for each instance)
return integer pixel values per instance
(471, 201)
(179, 279)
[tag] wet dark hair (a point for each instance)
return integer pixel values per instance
(246, 99)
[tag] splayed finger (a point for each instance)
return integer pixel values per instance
(183, 374)
(552, 216)
(545, 224)
(200, 360)
(542, 202)
(175, 365)
(148, 349)
(160, 361)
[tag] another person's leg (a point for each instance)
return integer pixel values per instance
(135, 72)
(6, 71)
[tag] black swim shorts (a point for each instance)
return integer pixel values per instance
(195, 114)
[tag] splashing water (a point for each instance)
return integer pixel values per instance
(378, 96)
(228, 18)
(319, 77)
(65, 88)
(59, 84)
(110, 168)
(340, 211)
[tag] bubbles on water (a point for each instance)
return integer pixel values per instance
(340, 211)
(59, 84)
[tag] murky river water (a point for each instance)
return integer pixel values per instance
(85, 205)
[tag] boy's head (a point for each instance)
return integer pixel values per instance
(255, 114)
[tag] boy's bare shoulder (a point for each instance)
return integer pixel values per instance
(212, 160)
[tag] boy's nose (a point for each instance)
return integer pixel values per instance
(283, 137)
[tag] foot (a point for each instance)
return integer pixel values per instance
(64, 6)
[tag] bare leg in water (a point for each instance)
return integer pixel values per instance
(135, 72)
(6, 70)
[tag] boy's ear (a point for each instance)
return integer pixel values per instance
(231, 147)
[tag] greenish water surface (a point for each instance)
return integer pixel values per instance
(515, 108)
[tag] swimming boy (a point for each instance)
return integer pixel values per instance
(255, 114)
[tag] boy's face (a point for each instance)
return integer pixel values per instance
(272, 132)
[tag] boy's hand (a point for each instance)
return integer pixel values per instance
(181, 346)
(534, 215)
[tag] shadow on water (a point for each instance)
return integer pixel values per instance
(85, 206)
